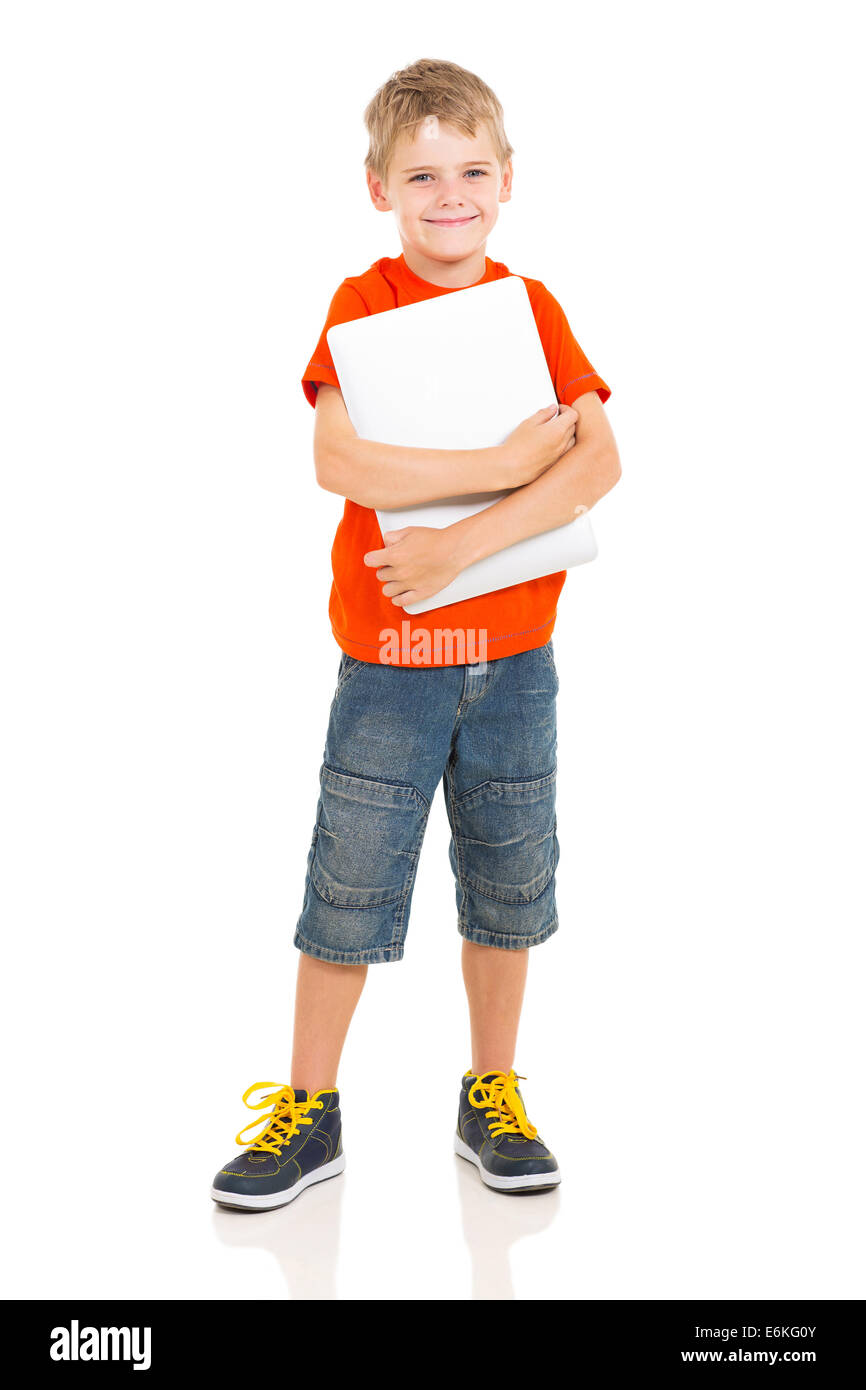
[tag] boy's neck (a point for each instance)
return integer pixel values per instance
(447, 274)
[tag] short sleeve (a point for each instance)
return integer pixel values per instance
(571, 370)
(346, 304)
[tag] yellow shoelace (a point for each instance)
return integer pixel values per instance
(288, 1115)
(498, 1093)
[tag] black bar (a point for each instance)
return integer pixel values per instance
(239, 1337)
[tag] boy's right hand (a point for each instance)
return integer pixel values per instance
(538, 442)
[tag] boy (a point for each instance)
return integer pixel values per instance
(409, 713)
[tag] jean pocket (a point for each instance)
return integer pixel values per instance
(505, 834)
(368, 837)
(347, 668)
(546, 653)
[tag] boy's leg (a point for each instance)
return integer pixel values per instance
(501, 805)
(388, 737)
(325, 999)
(495, 981)
(500, 789)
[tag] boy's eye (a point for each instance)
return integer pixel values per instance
(482, 172)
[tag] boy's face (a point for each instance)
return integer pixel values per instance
(444, 189)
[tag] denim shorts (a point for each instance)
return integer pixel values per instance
(488, 733)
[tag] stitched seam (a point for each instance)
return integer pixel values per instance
(348, 673)
(352, 907)
(503, 636)
(526, 1158)
(546, 778)
(398, 933)
(464, 1124)
(308, 1134)
(377, 782)
(474, 933)
(473, 699)
(324, 1139)
(366, 954)
(585, 377)
(455, 838)
(475, 885)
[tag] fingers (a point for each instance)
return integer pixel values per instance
(397, 590)
(398, 593)
(391, 538)
(565, 420)
(560, 412)
(390, 580)
(375, 557)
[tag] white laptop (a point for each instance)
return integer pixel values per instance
(459, 371)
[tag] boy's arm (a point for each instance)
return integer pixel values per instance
(571, 486)
(419, 560)
(390, 475)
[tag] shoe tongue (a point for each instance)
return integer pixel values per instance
(301, 1095)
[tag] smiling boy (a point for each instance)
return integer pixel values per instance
(439, 160)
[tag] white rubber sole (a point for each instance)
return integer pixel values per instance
(524, 1183)
(271, 1200)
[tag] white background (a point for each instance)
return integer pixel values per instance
(184, 191)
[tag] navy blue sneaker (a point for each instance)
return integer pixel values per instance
(493, 1132)
(301, 1144)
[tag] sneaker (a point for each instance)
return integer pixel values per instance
(297, 1148)
(494, 1133)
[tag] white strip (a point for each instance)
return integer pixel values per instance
(269, 1200)
(505, 1184)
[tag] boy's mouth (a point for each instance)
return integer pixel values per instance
(450, 221)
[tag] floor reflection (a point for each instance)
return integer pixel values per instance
(492, 1223)
(303, 1237)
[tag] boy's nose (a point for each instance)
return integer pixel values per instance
(451, 192)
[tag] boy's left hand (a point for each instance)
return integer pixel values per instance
(417, 562)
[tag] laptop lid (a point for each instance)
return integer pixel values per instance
(459, 371)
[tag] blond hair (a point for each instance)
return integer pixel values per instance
(431, 87)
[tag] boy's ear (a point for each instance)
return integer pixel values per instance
(377, 192)
(505, 188)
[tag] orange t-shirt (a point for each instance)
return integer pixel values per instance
(515, 619)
